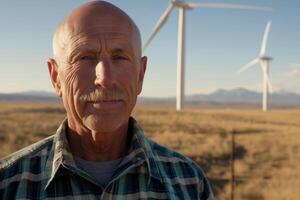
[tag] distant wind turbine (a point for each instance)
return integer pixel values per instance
(183, 6)
(264, 61)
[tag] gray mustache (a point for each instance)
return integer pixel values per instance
(104, 95)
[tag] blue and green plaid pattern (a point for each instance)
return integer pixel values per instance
(46, 170)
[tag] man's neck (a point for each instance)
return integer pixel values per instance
(95, 146)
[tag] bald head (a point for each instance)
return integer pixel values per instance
(88, 16)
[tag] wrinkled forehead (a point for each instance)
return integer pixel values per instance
(98, 40)
(100, 32)
(102, 38)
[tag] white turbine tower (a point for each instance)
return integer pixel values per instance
(183, 6)
(264, 61)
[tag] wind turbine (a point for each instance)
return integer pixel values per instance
(183, 6)
(264, 61)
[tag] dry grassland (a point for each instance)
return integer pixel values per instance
(267, 144)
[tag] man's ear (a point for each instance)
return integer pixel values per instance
(53, 72)
(143, 66)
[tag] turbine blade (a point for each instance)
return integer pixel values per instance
(228, 6)
(162, 20)
(248, 65)
(265, 39)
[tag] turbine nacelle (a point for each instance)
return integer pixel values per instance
(266, 58)
(181, 4)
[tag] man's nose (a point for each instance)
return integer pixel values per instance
(104, 74)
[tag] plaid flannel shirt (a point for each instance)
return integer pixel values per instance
(46, 170)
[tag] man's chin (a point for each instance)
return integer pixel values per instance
(102, 124)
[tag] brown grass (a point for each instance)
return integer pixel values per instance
(267, 144)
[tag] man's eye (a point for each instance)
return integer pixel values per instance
(119, 57)
(88, 57)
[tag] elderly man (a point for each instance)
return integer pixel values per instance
(99, 151)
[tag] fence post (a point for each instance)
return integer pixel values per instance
(232, 163)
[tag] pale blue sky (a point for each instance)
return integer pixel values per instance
(218, 43)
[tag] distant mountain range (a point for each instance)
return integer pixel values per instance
(29, 96)
(234, 98)
(239, 97)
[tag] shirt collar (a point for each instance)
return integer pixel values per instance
(141, 149)
(60, 154)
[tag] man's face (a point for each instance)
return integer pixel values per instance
(101, 74)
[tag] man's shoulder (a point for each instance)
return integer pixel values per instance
(181, 172)
(169, 157)
(37, 149)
